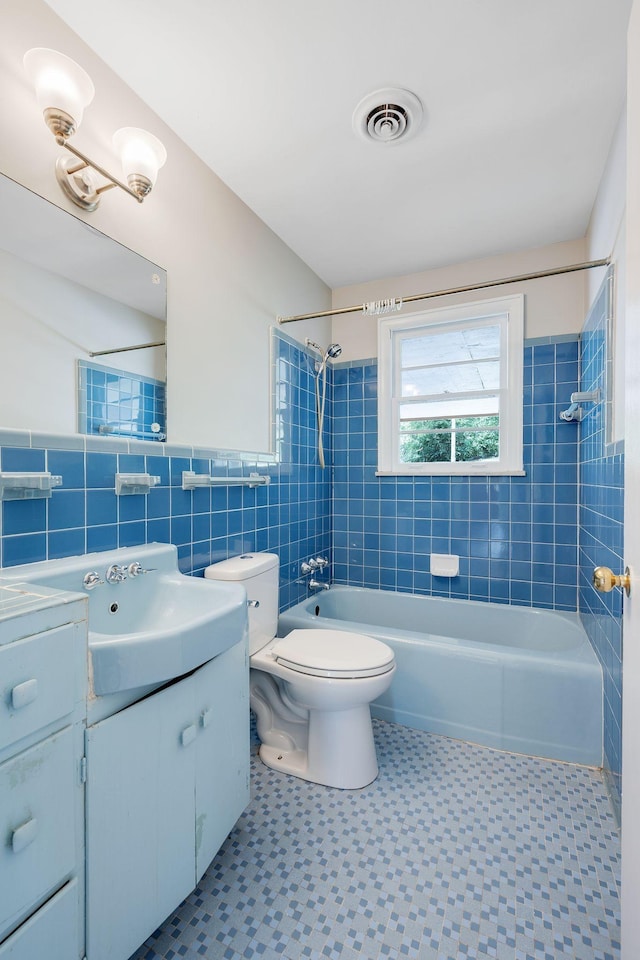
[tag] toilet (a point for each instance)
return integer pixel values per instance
(310, 691)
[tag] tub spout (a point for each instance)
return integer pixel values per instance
(318, 585)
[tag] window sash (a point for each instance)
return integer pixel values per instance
(505, 401)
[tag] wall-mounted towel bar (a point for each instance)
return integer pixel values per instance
(191, 480)
(125, 430)
(27, 486)
(130, 484)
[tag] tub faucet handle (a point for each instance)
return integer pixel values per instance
(321, 563)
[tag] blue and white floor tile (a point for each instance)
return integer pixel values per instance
(456, 852)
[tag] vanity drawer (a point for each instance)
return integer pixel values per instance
(38, 796)
(40, 681)
(52, 932)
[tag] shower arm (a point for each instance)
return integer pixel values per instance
(521, 278)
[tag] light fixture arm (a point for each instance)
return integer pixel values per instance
(87, 162)
(63, 90)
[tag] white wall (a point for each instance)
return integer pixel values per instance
(229, 276)
(553, 306)
(607, 236)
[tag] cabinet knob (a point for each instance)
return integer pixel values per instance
(23, 835)
(188, 735)
(24, 693)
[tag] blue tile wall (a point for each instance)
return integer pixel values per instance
(290, 516)
(516, 536)
(118, 402)
(601, 531)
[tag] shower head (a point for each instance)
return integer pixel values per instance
(333, 350)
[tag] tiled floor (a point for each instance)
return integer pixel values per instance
(456, 852)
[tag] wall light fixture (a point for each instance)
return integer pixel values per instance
(63, 90)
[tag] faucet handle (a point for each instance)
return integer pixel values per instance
(116, 573)
(321, 563)
(91, 580)
(136, 568)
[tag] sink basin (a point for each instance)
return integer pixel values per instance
(150, 628)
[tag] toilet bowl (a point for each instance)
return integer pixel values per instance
(310, 691)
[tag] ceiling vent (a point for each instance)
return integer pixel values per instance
(388, 116)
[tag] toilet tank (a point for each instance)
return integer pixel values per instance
(259, 575)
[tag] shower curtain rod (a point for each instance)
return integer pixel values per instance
(138, 346)
(362, 307)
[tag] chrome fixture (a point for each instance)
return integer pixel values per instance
(116, 573)
(313, 563)
(318, 585)
(448, 291)
(605, 580)
(253, 603)
(333, 350)
(91, 580)
(135, 569)
(63, 90)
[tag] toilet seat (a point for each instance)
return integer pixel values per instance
(335, 654)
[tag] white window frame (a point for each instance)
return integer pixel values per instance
(508, 313)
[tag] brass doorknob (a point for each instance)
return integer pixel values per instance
(605, 580)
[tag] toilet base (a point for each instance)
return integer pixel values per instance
(341, 752)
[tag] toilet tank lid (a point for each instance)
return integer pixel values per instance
(243, 567)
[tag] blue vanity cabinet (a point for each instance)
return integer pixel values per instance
(166, 780)
(43, 656)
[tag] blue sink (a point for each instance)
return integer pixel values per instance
(149, 628)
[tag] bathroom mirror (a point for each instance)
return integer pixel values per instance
(67, 291)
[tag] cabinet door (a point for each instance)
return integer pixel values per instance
(39, 790)
(222, 774)
(140, 815)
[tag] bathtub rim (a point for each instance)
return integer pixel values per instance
(579, 654)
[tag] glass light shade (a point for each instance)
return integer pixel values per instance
(141, 154)
(59, 82)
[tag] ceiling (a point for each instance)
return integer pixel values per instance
(521, 100)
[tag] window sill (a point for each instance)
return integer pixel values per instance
(451, 473)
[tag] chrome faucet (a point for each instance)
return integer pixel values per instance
(318, 585)
(91, 580)
(116, 573)
(135, 569)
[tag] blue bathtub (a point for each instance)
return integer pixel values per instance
(509, 677)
